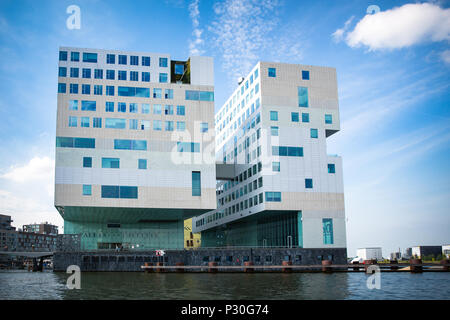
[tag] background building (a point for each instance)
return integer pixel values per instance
(41, 228)
(134, 146)
(426, 251)
(370, 253)
(191, 240)
(277, 186)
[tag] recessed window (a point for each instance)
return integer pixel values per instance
(305, 75)
(276, 166)
(74, 88)
(98, 74)
(331, 168)
(87, 162)
(86, 89)
(163, 62)
(109, 90)
(146, 61)
(111, 163)
(110, 58)
(274, 131)
(62, 72)
(146, 76)
(73, 104)
(97, 122)
(327, 225)
(134, 60)
(121, 107)
(122, 59)
(179, 69)
(303, 97)
(180, 110)
(314, 133)
(63, 56)
(74, 72)
(308, 183)
(294, 117)
(109, 106)
(61, 88)
(328, 119)
(86, 73)
(142, 164)
(204, 127)
(110, 74)
(85, 122)
(305, 117)
(196, 183)
(272, 72)
(145, 107)
(134, 76)
(89, 57)
(163, 77)
(122, 75)
(73, 121)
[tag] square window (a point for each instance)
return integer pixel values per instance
(163, 77)
(274, 115)
(328, 119)
(308, 183)
(146, 61)
(146, 76)
(85, 122)
(314, 133)
(294, 117)
(62, 72)
(305, 117)
(75, 56)
(142, 164)
(87, 162)
(73, 121)
(274, 131)
(276, 166)
(179, 69)
(110, 58)
(87, 189)
(305, 75)
(109, 107)
(272, 72)
(134, 60)
(61, 88)
(122, 75)
(331, 168)
(63, 56)
(110, 74)
(122, 59)
(74, 88)
(98, 74)
(163, 62)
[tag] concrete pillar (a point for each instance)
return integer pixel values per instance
(326, 265)
(414, 265)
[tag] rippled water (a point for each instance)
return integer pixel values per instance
(115, 285)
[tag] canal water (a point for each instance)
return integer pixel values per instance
(170, 286)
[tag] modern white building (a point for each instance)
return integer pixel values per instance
(374, 253)
(277, 185)
(134, 146)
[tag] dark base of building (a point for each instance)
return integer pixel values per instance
(132, 261)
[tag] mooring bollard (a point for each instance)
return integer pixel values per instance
(212, 264)
(159, 264)
(415, 265)
(148, 264)
(179, 264)
(367, 264)
(248, 263)
(286, 263)
(393, 262)
(326, 265)
(445, 263)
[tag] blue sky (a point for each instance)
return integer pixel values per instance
(393, 77)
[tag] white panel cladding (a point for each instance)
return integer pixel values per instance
(133, 177)
(202, 71)
(313, 229)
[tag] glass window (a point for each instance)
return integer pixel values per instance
(61, 88)
(169, 126)
(134, 76)
(111, 163)
(273, 196)
(168, 109)
(98, 89)
(122, 75)
(74, 72)
(73, 121)
(142, 163)
(122, 144)
(146, 76)
(272, 72)
(157, 93)
(88, 105)
(303, 97)
(308, 183)
(192, 95)
(97, 122)
(294, 116)
(133, 107)
(146, 61)
(133, 124)
(331, 168)
(181, 126)
(168, 93)
(89, 57)
(122, 59)
(157, 125)
(274, 115)
(145, 124)
(109, 106)
(163, 62)
(110, 58)
(145, 107)
(62, 72)
(85, 122)
(179, 69)
(305, 117)
(73, 104)
(157, 108)
(114, 123)
(314, 133)
(75, 56)
(196, 184)
(305, 75)
(86, 73)
(180, 110)
(276, 166)
(274, 131)
(163, 77)
(204, 127)
(69, 142)
(74, 88)
(87, 189)
(121, 107)
(110, 74)
(109, 90)
(134, 60)
(98, 73)
(327, 225)
(87, 162)
(86, 89)
(63, 56)
(328, 119)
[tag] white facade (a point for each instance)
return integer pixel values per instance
(262, 113)
(369, 253)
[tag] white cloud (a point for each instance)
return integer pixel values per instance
(338, 35)
(36, 169)
(445, 56)
(197, 42)
(400, 27)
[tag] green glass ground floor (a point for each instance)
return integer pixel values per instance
(264, 229)
(126, 228)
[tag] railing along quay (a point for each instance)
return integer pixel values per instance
(287, 266)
